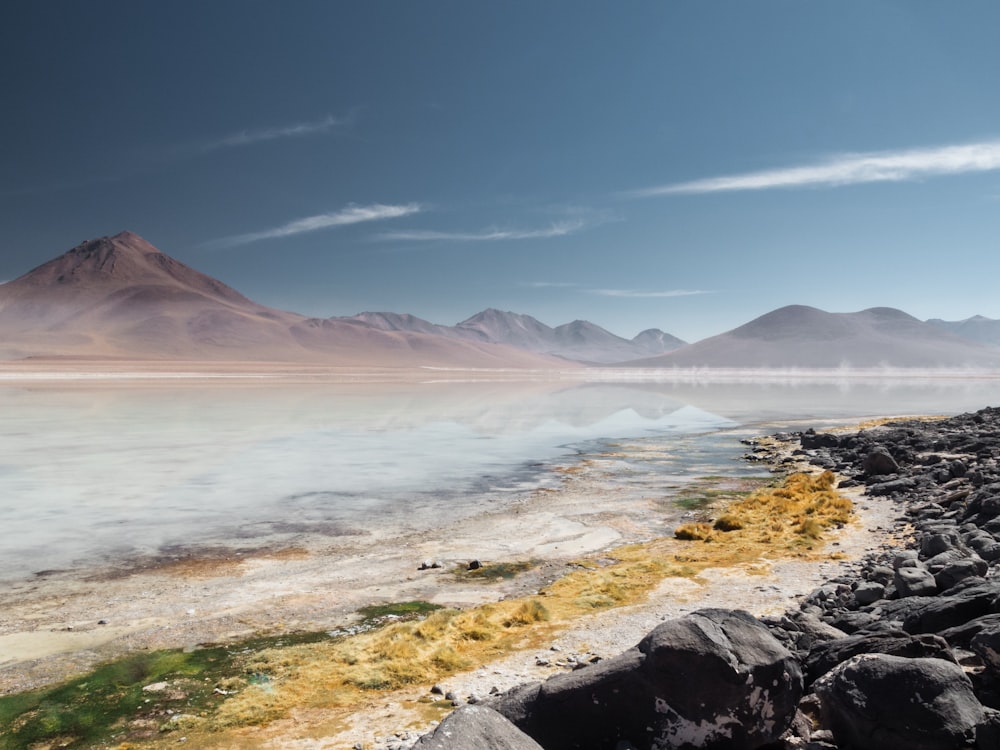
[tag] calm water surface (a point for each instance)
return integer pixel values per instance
(95, 474)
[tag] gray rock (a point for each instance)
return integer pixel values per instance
(713, 679)
(988, 731)
(893, 486)
(826, 656)
(881, 702)
(904, 558)
(881, 574)
(879, 462)
(476, 727)
(915, 582)
(868, 592)
(961, 635)
(957, 571)
(806, 630)
(967, 600)
(935, 544)
(940, 562)
(986, 645)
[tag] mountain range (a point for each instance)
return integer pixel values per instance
(121, 298)
(579, 341)
(976, 328)
(802, 336)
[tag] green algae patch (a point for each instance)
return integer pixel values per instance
(132, 698)
(496, 571)
(709, 492)
(148, 695)
(378, 613)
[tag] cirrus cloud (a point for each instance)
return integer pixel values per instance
(850, 169)
(295, 130)
(351, 214)
(556, 229)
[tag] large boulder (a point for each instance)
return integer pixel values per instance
(965, 601)
(882, 702)
(915, 582)
(476, 727)
(962, 634)
(713, 679)
(825, 656)
(879, 463)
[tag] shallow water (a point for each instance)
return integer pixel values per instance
(100, 473)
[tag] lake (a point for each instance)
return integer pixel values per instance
(92, 473)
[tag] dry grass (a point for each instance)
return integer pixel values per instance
(343, 673)
(880, 421)
(787, 518)
(340, 676)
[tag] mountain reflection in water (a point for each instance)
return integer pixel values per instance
(92, 473)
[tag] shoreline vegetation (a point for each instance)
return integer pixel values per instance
(218, 695)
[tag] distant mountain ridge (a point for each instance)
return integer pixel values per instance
(119, 297)
(807, 337)
(976, 328)
(579, 341)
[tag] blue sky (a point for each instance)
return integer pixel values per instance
(681, 165)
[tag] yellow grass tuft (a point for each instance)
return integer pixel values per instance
(728, 522)
(794, 515)
(694, 532)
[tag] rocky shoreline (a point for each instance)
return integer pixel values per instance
(903, 652)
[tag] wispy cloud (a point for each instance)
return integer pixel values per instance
(556, 229)
(638, 293)
(152, 161)
(850, 169)
(296, 130)
(352, 214)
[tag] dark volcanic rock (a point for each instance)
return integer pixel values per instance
(959, 604)
(713, 679)
(956, 572)
(881, 702)
(476, 727)
(879, 462)
(825, 656)
(915, 582)
(960, 636)
(869, 592)
(986, 644)
(902, 652)
(893, 487)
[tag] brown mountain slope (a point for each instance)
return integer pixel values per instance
(801, 336)
(121, 297)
